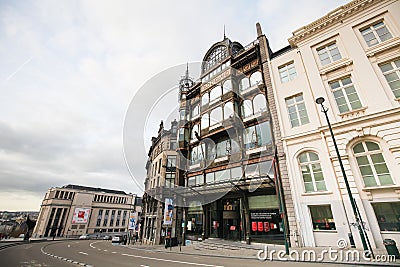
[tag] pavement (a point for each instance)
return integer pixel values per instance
(271, 252)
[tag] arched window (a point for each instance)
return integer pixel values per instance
(247, 108)
(216, 116)
(205, 121)
(205, 99)
(227, 86)
(372, 164)
(244, 84)
(259, 103)
(195, 128)
(195, 111)
(228, 110)
(215, 93)
(216, 56)
(311, 171)
(255, 78)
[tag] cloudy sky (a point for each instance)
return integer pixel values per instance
(69, 70)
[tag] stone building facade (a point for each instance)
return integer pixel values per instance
(74, 210)
(350, 57)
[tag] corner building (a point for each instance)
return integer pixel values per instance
(231, 162)
(350, 57)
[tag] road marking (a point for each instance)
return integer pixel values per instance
(69, 246)
(105, 250)
(174, 261)
(141, 265)
(84, 253)
(113, 252)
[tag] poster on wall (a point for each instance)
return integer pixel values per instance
(168, 211)
(81, 215)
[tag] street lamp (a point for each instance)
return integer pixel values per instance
(359, 222)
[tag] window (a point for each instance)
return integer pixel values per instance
(247, 108)
(287, 72)
(169, 180)
(297, 111)
(255, 78)
(345, 95)
(244, 84)
(259, 103)
(371, 163)
(112, 218)
(182, 114)
(216, 116)
(311, 171)
(196, 154)
(322, 217)
(328, 54)
(228, 110)
(195, 111)
(258, 135)
(388, 215)
(391, 71)
(196, 128)
(376, 33)
(215, 57)
(196, 180)
(215, 93)
(99, 217)
(205, 121)
(124, 218)
(220, 149)
(259, 169)
(227, 86)
(106, 218)
(232, 173)
(205, 99)
(118, 218)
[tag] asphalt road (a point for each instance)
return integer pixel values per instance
(103, 253)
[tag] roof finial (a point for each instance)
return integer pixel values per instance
(224, 32)
(187, 69)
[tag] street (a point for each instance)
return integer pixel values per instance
(103, 253)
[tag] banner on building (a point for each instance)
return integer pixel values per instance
(81, 215)
(133, 221)
(169, 207)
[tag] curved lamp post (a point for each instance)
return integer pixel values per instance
(359, 222)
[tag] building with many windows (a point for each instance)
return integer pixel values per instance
(73, 210)
(351, 57)
(161, 174)
(230, 149)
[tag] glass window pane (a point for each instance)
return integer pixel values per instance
(385, 179)
(313, 156)
(236, 173)
(386, 67)
(303, 157)
(372, 146)
(309, 187)
(307, 177)
(366, 170)
(320, 186)
(358, 148)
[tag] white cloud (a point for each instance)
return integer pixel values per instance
(70, 69)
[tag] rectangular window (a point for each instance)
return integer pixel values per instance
(391, 71)
(328, 54)
(124, 218)
(192, 181)
(345, 94)
(117, 222)
(376, 33)
(105, 221)
(112, 218)
(99, 217)
(322, 217)
(388, 215)
(258, 135)
(169, 180)
(297, 110)
(196, 154)
(287, 72)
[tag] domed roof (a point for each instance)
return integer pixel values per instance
(218, 52)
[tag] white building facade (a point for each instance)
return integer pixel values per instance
(350, 57)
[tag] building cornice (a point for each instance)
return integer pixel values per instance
(332, 18)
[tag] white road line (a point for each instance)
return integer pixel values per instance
(113, 252)
(141, 265)
(84, 253)
(174, 261)
(105, 250)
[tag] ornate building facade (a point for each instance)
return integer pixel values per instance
(350, 57)
(161, 174)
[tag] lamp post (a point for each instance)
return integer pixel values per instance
(359, 222)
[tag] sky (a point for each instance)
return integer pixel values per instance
(70, 69)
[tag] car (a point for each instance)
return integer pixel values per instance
(107, 237)
(84, 237)
(117, 239)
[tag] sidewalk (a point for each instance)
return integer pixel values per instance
(230, 249)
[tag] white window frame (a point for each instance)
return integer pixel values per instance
(285, 69)
(373, 31)
(343, 88)
(328, 48)
(296, 104)
(395, 70)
